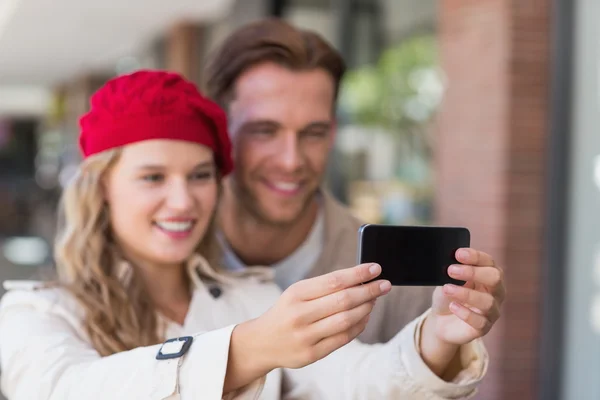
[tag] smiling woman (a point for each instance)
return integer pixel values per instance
(166, 207)
(148, 170)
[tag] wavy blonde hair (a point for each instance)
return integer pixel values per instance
(119, 315)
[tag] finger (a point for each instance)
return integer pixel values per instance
(320, 286)
(481, 300)
(338, 323)
(477, 321)
(346, 299)
(488, 276)
(492, 315)
(332, 343)
(474, 257)
(500, 292)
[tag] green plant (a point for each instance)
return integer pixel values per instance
(400, 93)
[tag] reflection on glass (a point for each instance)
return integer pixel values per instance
(597, 171)
(595, 307)
(595, 314)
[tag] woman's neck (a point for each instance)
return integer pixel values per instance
(168, 287)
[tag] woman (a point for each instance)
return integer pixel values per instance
(135, 256)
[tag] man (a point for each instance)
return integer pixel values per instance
(279, 86)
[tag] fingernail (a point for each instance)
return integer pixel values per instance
(374, 269)
(455, 270)
(454, 306)
(464, 254)
(450, 289)
(385, 286)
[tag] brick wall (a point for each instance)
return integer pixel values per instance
(490, 162)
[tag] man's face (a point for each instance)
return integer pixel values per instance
(281, 123)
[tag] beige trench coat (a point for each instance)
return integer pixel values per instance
(45, 353)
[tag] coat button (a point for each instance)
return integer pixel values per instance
(215, 292)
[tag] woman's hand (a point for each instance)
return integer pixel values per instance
(316, 316)
(461, 314)
(311, 319)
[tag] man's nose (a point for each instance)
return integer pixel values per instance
(289, 153)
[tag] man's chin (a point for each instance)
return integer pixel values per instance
(276, 212)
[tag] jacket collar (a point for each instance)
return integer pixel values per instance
(338, 224)
(338, 220)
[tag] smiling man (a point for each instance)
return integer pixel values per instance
(279, 86)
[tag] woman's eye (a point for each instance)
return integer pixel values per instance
(152, 178)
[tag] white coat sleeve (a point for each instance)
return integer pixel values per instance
(394, 370)
(44, 357)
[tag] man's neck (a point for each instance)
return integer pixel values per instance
(258, 243)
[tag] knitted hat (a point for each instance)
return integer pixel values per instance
(148, 105)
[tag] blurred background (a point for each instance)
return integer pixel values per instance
(484, 114)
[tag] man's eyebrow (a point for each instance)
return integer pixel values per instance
(259, 123)
(318, 125)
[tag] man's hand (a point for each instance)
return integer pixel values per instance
(461, 314)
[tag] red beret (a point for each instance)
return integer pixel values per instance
(148, 105)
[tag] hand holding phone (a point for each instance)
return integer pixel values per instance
(412, 255)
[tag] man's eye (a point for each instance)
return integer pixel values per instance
(316, 134)
(202, 176)
(262, 131)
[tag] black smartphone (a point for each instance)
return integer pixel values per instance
(412, 255)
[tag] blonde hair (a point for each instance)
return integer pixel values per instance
(119, 315)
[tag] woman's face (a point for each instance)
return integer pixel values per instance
(161, 196)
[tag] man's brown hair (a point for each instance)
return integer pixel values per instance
(268, 40)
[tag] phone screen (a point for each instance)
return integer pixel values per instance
(412, 255)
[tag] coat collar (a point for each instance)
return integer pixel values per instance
(338, 219)
(340, 224)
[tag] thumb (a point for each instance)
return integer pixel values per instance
(441, 302)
